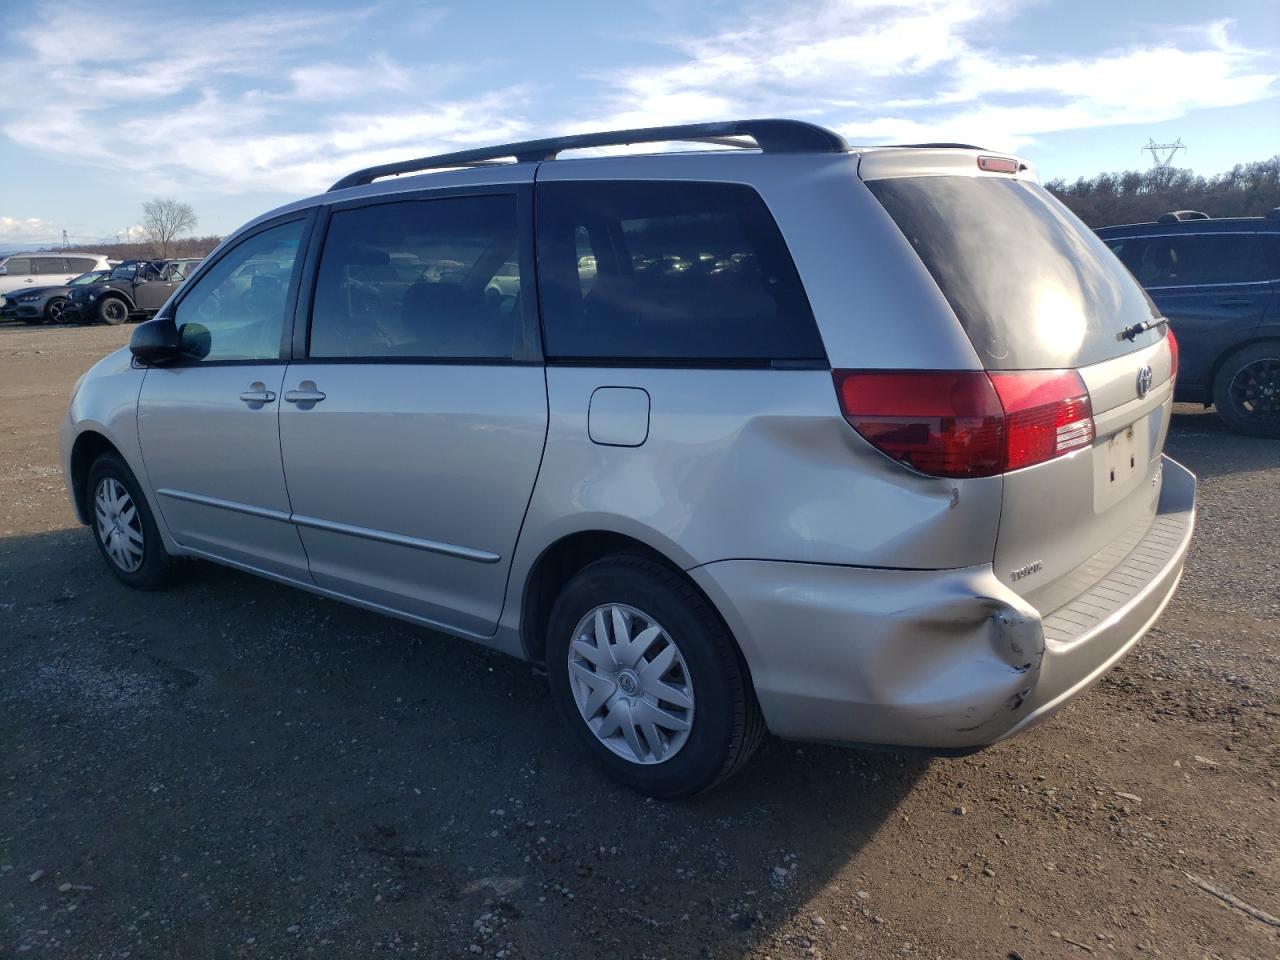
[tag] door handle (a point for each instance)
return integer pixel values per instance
(1235, 302)
(258, 393)
(306, 393)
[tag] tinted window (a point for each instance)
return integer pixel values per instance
(50, 266)
(1032, 285)
(124, 272)
(1196, 259)
(225, 316)
(419, 278)
(668, 271)
(80, 264)
(17, 266)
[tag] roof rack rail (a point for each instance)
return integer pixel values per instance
(1177, 216)
(938, 146)
(771, 136)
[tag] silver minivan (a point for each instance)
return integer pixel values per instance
(860, 446)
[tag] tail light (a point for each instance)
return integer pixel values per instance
(1173, 353)
(968, 423)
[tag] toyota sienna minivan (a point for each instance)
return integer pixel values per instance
(859, 446)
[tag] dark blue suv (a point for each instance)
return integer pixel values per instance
(1218, 282)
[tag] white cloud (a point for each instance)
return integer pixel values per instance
(30, 230)
(273, 101)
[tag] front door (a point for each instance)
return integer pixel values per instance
(209, 424)
(413, 428)
(152, 288)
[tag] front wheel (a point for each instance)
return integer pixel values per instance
(123, 526)
(1246, 391)
(55, 309)
(113, 311)
(648, 679)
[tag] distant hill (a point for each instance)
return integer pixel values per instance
(182, 247)
(1139, 196)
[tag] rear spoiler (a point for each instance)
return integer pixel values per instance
(943, 159)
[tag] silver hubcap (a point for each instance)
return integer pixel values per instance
(631, 684)
(119, 526)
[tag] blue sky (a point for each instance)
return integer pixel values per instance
(236, 108)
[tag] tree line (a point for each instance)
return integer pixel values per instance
(1138, 196)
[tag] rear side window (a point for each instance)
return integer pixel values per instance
(1033, 287)
(49, 266)
(1196, 259)
(638, 270)
(419, 279)
(81, 264)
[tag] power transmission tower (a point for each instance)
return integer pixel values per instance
(1162, 154)
(65, 244)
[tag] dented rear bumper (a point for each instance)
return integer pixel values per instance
(945, 660)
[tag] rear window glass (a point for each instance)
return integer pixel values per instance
(1196, 259)
(1033, 287)
(668, 271)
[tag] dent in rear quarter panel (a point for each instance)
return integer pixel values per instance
(746, 464)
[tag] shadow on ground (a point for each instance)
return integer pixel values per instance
(238, 769)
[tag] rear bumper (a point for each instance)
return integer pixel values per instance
(944, 660)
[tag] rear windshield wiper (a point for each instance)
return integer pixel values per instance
(1131, 333)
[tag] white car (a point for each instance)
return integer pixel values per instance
(19, 270)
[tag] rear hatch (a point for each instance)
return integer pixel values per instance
(1036, 290)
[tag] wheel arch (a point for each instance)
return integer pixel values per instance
(88, 447)
(560, 560)
(1220, 361)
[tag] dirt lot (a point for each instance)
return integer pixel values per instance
(236, 769)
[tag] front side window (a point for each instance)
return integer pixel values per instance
(1195, 260)
(419, 279)
(229, 316)
(125, 271)
(17, 266)
(668, 271)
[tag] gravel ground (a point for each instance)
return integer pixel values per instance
(236, 769)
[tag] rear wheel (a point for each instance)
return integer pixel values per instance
(648, 679)
(113, 311)
(1246, 391)
(55, 309)
(123, 526)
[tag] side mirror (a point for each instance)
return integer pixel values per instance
(156, 341)
(4, 271)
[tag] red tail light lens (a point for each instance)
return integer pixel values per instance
(968, 423)
(1173, 353)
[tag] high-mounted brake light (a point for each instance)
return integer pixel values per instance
(968, 423)
(997, 164)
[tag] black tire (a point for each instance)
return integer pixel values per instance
(1246, 391)
(156, 566)
(113, 311)
(727, 725)
(53, 310)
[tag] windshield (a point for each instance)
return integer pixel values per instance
(91, 277)
(1033, 287)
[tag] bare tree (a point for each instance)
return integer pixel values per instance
(164, 218)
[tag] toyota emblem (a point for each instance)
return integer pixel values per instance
(1144, 381)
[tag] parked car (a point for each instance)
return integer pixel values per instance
(19, 270)
(44, 304)
(853, 479)
(134, 290)
(1218, 282)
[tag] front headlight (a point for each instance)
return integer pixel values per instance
(30, 298)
